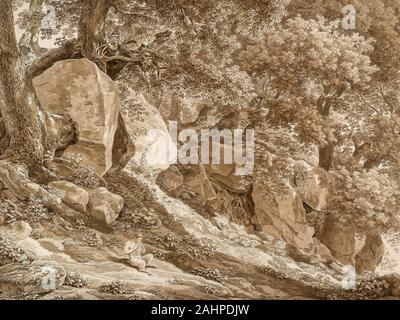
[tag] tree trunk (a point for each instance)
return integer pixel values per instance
(325, 155)
(18, 103)
(92, 34)
(326, 152)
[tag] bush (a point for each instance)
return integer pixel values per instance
(91, 238)
(274, 273)
(199, 248)
(210, 290)
(159, 255)
(10, 252)
(35, 211)
(169, 241)
(76, 280)
(116, 287)
(368, 286)
(202, 248)
(139, 218)
(9, 212)
(210, 273)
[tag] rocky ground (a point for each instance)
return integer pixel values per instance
(195, 258)
(214, 235)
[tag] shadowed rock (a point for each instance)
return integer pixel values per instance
(80, 89)
(37, 277)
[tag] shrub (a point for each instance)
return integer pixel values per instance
(274, 273)
(9, 212)
(76, 280)
(210, 290)
(35, 211)
(169, 241)
(10, 252)
(91, 238)
(159, 255)
(139, 217)
(116, 287)
(210, 273)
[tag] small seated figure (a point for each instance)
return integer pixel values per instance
(136, 254)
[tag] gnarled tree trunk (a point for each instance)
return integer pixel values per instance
(18, 103)
(92, 34)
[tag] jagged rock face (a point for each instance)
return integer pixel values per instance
(340, 239)
(37, 277)
(193, 184)
(198, 185)
(281, 213)
(104, 205)
(71, 194)
(371, 254)
(154, 148)
(21, 229)
(312, 184)
(171, 181)
(79, 88)
(123, 148)
(228, 175)
(279, 194)
(188, 182)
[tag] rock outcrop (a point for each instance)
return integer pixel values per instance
(311, 184)
(80, 89)
(280, 194)
(123, 148)
(371, 254)
(281, 213)
(37, 277)
(154, 148)
(188, 182)
(72, 195)
(340, 239)
(104, 205)
(171, 181)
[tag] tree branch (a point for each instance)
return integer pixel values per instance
(69, 50)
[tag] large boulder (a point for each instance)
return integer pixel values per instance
(282, 189)
(340, 239)
(72, 195)
(104, 205)
(171, 181)
(197, 184)
(79, 88)
(154, 148)
(312, 184)
(371, 254)
(189, 182)
(37, 277)
(229, 176)
(123, 148)
(281, 213)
